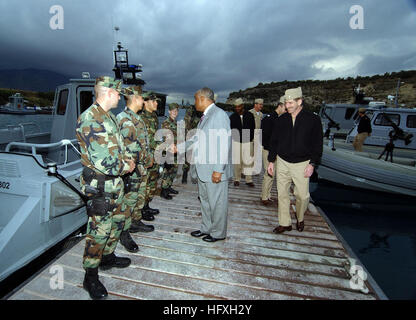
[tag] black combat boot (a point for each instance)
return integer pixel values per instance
(94, 287)
(147, 216)
(110, 261)
(164, 193)
(172, 191)
(150, 210)
(185, 177)
(128, 242)
(139, 226)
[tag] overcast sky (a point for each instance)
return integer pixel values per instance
(227, 45)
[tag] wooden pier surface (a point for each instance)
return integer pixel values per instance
(252, 263)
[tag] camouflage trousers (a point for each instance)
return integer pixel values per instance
(169, 175)
(140, 200)
(152, 177)
(103, 233)
(130, 202)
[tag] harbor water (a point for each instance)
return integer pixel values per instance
(43, 122)
(380, 229)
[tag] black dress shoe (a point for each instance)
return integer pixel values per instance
(198, 234)
(128, 243)
(139, 226)
(95, 288)
(111, 261)
(172, 191)
(300, 226)
(236, 183)
(250, 184)
(208, 238)
(281, 229)
(147, 216)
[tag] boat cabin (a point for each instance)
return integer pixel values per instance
(386, 123)
(344, 114)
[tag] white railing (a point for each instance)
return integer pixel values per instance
(34, 147)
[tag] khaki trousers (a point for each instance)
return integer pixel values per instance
(267, 185)
(359, 141)
(241, 158)
(286, 173)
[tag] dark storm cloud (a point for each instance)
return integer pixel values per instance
(227, 45)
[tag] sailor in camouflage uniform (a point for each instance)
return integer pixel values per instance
(149, 117)
(192, 118)
(104, 163)
(134, 133)
(170, 169)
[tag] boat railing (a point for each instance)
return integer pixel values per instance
(56, 145)
(23, 126)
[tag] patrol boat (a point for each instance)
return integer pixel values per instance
(382, 167)
(18, 105)
(39, 183)
(343, 116)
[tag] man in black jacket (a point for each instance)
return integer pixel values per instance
(267, 125)
(243, 124)
(364, 130)
(297, 141)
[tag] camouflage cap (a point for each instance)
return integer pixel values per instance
(362, 110)
(238, 102)
(258, 101)
(109, 82)
(132, 91)
(150, 95)
(173, 106)
(292, 94)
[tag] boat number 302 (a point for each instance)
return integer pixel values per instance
(4, 185)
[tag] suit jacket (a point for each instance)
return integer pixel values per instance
(248, 123)
(208, 156)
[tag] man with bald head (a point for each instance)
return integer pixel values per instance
(211, 154)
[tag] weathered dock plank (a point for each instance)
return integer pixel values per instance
(252, 263)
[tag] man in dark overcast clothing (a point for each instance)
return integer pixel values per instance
(297, 141)
(240, 120)
(267, 125)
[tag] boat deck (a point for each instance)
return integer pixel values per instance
(252, 263)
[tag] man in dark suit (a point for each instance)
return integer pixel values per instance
(243, 125)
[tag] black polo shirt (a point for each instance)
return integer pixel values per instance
(298, 143)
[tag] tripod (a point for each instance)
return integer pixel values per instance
(388, 150)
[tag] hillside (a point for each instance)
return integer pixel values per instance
(42, 99)
(334, 91)
(31, 79)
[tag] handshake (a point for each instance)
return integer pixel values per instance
(173, 148)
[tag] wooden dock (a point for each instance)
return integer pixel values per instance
(253, 263)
